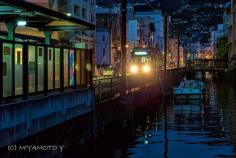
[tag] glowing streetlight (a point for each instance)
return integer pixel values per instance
(21, 23)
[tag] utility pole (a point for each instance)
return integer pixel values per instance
(165, 44)
(178, 38)
(123, 46)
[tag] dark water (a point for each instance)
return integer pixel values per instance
(203, 130)
(180, 131)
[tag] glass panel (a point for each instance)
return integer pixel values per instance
(72, 65)
(57, 67)
(32, 69)
(40, 55)
(50, 68)
(7, 70)
(66, 72)
(83, 70)
(18, 69)
(78, 67)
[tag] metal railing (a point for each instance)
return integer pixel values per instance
(106, 88)
(110, 87)
(209, 64)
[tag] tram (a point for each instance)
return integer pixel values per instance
(143, 61)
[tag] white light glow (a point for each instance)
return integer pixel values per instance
(134, 69)
(146, 68)
(140, 53)
(21, 23)
(68, 14)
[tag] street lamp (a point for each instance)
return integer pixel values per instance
(21, 23)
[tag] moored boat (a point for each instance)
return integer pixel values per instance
(189, 89)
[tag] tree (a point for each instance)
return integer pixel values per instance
(222, 48)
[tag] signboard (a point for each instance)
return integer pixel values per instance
(132, 30)
(80, 45)
(140, 53)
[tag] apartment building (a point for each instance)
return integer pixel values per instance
(150, 28)
(108, 46)
(85, 10)
(230, 27)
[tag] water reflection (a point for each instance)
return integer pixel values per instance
(174, 130)
(197, 130)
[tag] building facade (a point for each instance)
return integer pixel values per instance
(150, 29)
(108, 48)
(231, 27)
(84, 10)
(103, 43)
(215, 35)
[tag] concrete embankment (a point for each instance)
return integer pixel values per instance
(123, 108)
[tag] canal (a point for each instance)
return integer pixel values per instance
(163, 130)
(179, 131)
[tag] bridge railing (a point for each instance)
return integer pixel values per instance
(208, 64)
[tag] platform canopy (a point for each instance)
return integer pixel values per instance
(40, 17)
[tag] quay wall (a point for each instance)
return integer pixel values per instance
(23, 119)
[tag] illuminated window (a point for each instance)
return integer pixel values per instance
(18, 69)
(83, 67)
(7, 70)
(57, 67)
(72, 66)
(66, 72)
(40, 56)
(32, 69)
(50, 68)
(78, 67)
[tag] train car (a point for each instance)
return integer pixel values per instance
(143, 61)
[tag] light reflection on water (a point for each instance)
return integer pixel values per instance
(172, 131)
(196, 131)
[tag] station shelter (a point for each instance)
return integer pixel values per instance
(32, 66)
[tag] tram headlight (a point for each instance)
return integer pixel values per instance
(134, 69)
(146, 68)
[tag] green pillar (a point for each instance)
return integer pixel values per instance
(11, 26)
(48, 35)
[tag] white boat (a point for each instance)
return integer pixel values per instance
(189, 90)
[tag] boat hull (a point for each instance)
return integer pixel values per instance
(188, 93)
